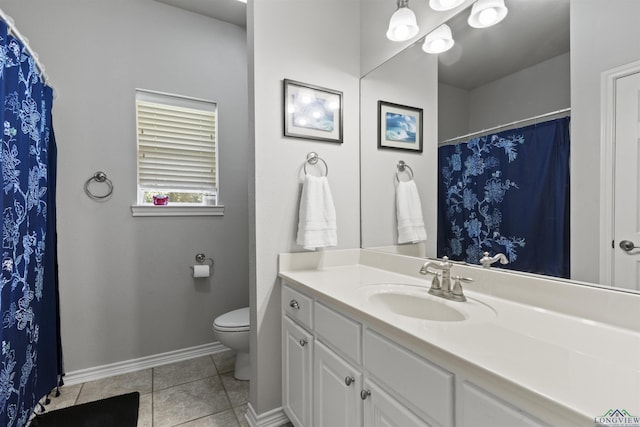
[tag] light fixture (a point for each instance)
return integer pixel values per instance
(439, 40)
(403, 24)
(441, 5)
(485, 13)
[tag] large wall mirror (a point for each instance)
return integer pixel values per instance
(515, 71)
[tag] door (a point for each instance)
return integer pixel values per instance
(337, 388)
(626, 216)
(382, 410)
(297, 356)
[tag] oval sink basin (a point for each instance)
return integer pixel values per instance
(414, 301)
(420, 307)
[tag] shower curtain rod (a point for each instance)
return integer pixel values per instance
(14, 30)
(495, 128)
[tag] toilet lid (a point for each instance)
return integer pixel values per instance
(233, 320)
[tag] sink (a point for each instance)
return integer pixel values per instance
(420, 307)
(415, 302)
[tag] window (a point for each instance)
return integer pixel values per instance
(177, 149)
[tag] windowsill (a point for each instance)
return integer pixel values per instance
(177, 210)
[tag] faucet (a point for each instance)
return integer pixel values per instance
(486, 260)
(444, 290)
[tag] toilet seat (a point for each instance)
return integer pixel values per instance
(233, 321)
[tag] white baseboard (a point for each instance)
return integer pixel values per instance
(273, 418)
(127, 366)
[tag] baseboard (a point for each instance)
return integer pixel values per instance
(273, 418)
(127, 366)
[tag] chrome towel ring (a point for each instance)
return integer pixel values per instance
(99, 177)
(403, 167)
(312, 159)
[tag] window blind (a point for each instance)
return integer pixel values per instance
(176, 147)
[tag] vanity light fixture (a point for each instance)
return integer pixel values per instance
(403, 24)
(485, 13)
(439, 40)
(441, 5)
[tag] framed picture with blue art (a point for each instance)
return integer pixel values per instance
(312, 112)
(399, 127)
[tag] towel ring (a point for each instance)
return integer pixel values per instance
(402, 167)
(99, 177)
(312, 159)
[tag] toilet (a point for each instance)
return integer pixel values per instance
(232, 330)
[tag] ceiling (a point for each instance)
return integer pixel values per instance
(232, 11)
(533, 31)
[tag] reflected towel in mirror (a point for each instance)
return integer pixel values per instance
(317, 218)
(409, 213)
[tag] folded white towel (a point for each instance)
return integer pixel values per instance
(409, 213)
(317, 219)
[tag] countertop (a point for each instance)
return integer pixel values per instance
(573, 368)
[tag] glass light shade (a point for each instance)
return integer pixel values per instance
(441, 5)
(485, 13)
(402, 25)
(439, 40)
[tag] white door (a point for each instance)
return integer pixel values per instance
(297, 356)
(337, 387)
(626, 259)
(382, 410)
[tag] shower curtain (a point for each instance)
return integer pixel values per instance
(29, 334)
(508, 192)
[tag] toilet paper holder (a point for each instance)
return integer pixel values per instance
(202, 258)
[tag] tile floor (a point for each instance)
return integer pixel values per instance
(200, 392)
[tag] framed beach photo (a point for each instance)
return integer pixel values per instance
(399, 127)
(312, 112)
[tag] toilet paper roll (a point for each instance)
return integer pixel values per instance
(201, 270)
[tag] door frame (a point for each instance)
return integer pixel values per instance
(607, 167)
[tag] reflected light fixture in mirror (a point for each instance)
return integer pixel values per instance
(485, 13)
(439, 40)
(403, 24)
(441, 5)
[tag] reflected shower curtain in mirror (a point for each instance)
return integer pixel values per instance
(29, 335)
(508, 192)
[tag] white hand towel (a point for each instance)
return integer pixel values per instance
(409, 213)
(317, 219)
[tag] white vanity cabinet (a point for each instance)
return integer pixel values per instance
(359, 378)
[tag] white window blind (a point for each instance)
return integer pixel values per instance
(177, 143)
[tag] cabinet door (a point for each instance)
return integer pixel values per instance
(297, 358)
(382, 410)
(336, 386)
(482, 409)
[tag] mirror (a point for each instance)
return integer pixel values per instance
(532, 40)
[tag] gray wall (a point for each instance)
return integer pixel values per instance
(125, 282)
(315, 42)
(538, 89)
(379, 166)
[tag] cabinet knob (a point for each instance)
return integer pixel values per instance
(303, 342)
(364, 394)
(349, 380)
(294, 304)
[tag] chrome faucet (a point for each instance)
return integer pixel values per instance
(486, 260)
(444, 289)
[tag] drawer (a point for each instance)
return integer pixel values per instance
(297, 305)
(338, 331)
(427, 387)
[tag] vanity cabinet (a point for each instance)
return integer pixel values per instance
(359, 378)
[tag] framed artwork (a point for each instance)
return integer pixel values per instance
(399, 127)
(312, 112)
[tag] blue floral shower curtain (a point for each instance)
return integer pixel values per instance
(508, 192)
(28, 282)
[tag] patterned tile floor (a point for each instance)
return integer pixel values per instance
(200, 392)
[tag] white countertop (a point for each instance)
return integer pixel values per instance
(575, 367)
